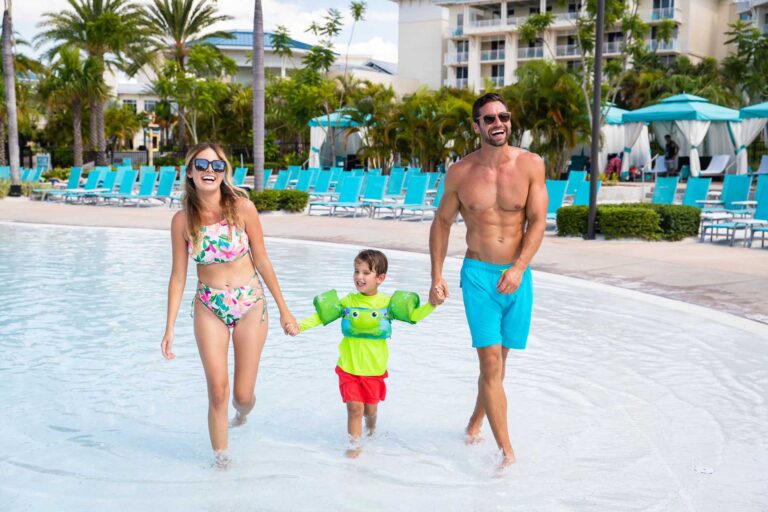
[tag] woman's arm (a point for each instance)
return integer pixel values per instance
(176, 282)
(264, 265)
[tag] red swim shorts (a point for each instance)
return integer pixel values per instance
(356, 388)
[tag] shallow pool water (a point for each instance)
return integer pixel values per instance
(622, 401)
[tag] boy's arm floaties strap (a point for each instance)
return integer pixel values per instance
(328, 306)
(404, 306)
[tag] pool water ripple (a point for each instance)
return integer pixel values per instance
(621, 402)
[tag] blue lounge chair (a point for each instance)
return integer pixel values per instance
(414, 199)
(575, 178)
(95, 178)
(73, 183)
(146, 187)
(375, 171)
(373, 193)
(336, 173)
(735, 190)
(5, 172)
(305, 177)
(665, 190)
(759, 224)
(322, 185)
(147, 168)
(107, 183)
(395, 184)
(165, 187)
(434, 177)
(349, 193)
(556, 192)
(696, 189)
(282, 180)
(238, 177)
(716, 166)
(125, 186)
(582, 193)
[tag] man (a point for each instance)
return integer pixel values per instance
(501, 193)
(670, 154)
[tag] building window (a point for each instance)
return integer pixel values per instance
(150, 105)
(130, 104)
(462, 72)
(462, 46)
(663, 4)
(497, 71)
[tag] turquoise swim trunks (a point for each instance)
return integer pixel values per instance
(494, 317)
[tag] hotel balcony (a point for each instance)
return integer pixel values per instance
(456, 58)
(458, 83)
(613, 47)
(456, 31)
(490, 55)
(758, 3)
(491, 22)
(655, 45)
(536, 52)
(567, 50)
(667, 13)
(497, 81)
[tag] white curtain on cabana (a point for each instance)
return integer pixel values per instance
(694, 132)
(632, 132)
(526, 140)
(743, 134)
(316, 139)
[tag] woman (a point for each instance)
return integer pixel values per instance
(219, 228)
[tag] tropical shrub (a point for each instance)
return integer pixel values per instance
(629, 221)
(288, 200)
(637, 220)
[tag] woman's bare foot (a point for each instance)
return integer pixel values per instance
(221, 460)
(239, 420)
(472, 437)
(354, 449)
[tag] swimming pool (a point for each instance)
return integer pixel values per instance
(622, 401)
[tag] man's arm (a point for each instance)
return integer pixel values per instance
(439, 233)
(536, 217)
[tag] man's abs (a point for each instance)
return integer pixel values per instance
(494, 237)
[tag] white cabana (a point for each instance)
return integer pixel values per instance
(691, 115)
(348, 142)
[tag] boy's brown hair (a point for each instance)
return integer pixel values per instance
(376, 260)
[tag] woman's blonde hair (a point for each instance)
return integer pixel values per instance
(191, 200)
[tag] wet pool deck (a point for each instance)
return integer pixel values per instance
(729, 279)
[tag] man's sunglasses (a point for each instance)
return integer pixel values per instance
(201, 164)
(504, 117)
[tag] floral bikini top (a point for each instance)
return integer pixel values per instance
(218, 244)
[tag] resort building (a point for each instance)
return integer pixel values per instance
(755, 11)
(471, 43)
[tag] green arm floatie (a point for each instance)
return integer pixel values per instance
(328, 306)
(404, 306)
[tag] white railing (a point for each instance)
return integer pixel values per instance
(666, 13)
(458, 83)
(456, 58)
(566, 50)
(487, 55)
(497, 81)
(536, 52)
(613, 46)
(516, 20)
(493, 22)
(657, 45)
(568, 16)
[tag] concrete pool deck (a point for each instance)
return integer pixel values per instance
(728, 279)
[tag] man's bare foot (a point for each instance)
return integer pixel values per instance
(472, 437)
(239, 420)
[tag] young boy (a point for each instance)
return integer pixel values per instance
(366, 322)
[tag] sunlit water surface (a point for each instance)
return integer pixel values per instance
(621, 402)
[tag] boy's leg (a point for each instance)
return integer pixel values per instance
(354, 427)
(369, 412)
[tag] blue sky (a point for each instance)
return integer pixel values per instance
(376, 36)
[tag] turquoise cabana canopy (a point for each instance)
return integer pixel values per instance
(335, 120)
(755, 111)
(613, 114)
(682, 107)
(693, 116)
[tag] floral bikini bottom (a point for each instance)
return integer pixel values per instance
(231, 304)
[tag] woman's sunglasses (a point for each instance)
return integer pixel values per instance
(504, 117)
(201, 164)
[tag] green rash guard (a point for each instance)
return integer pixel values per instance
(365, 357)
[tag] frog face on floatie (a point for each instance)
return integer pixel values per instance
(367, 323)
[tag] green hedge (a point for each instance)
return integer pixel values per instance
(288, 200)
(636, 220)
(26, 188)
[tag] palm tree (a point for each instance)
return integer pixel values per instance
(102, 28)
(72, 82)
(10, 100)
(176, 23)
(258, 96)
